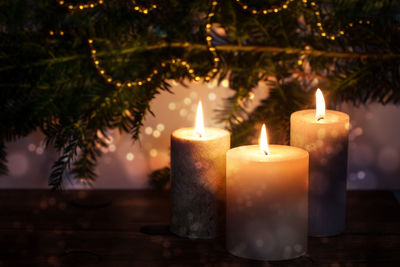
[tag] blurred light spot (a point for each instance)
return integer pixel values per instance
(160, 127)
(328, 149)
(187, 101)
(355, 133)
(361, 175)
(17, 164)
(43, 204)
(156, 133)
(148, 130)
(314, 82)
(183, 112)
(130, 156)
(172, 106)
(153, 152)
(193, 95)
(166, 244)
(174, 83)
(298, 247)
(52, 201)
(99, 134)
(358, 131)
(31, 147)
(212, 84)
(251, 95)
(112, 148)
(39, 150)
(225, 83)
(352, 176)
(109, 139)
(388, 159)
(212, 96)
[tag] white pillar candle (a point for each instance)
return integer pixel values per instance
(198, 158)
(266, 204)
(324, 134)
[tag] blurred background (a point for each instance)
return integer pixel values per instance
(374, 148)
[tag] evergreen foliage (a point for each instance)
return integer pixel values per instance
(49, 82)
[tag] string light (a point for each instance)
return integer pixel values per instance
(54, 33)
(320, 26)
(265, 11)
(209, 39)
(138, 8)
(143, 10)
(178, 62)
(81, 6)
(316, 11)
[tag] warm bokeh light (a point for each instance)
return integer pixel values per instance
(199, 128)
(320, 105)
(264, 140)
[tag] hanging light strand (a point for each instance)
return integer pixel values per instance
(209, 38)
(321, 27)
(143, 10)
(265, 11)
(81, 6)
(178, 62)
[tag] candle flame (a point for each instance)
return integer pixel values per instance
(199, 128)
(320, 105)
(264, 140)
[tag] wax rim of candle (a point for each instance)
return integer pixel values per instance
(278, 153)
(331, 116)
(211, 133)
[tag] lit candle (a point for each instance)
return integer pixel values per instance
(266, 205)
(198, 158)
(324, 134)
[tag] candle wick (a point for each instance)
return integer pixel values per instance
(198, 134)
(266, 152)
(320, 118)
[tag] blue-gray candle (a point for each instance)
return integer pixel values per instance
(324, 134)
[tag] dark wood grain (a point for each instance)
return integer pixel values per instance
(128, 228)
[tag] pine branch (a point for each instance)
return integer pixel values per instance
(220, 48)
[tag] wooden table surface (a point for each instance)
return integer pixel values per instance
(129, 228)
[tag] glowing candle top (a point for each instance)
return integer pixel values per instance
(199, 132)
(320, 105)
(199, 127)
(264, 140)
